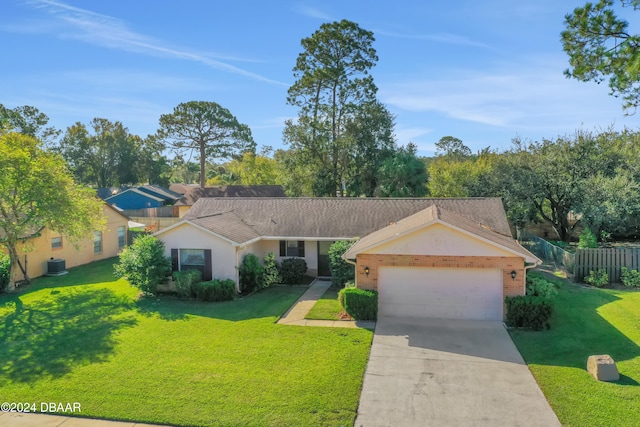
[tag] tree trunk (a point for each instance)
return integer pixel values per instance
(203, 165)
(14, 266)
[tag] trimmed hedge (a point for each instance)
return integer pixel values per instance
(528, 312)
(215, 290)
(360, 304)
(534, 309)
(184, 281)
(292, 270)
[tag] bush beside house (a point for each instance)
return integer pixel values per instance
(341, 271)
(5, 271)
(292, 270)
(271, 274)
(251, 274)
(360, 304)
(534, 309)
(143, 264)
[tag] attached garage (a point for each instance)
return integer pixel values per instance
(439, 264)
(447, 293)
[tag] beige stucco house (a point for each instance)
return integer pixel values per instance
(101, 244)
(449, 258)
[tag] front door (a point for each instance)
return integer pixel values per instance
(323, 259)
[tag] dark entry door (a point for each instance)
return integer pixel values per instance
(323, 259)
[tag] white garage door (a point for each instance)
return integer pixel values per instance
(447, 293)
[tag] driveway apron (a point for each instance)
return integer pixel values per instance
(435, 372)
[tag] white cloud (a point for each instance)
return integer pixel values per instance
(106, 31)
(446, 38)
(313, 12)
(521, 95)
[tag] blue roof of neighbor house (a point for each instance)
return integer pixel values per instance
(133, 198)
(161, 192)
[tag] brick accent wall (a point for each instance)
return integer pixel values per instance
(507, 264)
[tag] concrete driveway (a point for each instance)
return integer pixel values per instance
(432, 372)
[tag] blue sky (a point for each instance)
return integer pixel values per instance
(484, 72)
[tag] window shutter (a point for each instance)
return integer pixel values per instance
(208, 274)
(174, 260)
(283, 248)
(301, 249)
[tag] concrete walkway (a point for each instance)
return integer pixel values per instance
(295, 315)
(15, 419)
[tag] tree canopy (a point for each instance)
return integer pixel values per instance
(600, 46)
(332, 89)
(105, 155)
(208, 129)
(37, 191)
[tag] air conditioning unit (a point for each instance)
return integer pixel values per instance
(56, 267)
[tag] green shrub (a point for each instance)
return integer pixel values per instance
(251, 274)
(5, 271)
(360, 304)
(143, 264)
(534, 309)
(215, 290)
(292, 270)
(184, 281)
(341, 271)
(529, 312)
(538, 286)
(271, 274)
(630, 277)
(587, 239)
(598, 278)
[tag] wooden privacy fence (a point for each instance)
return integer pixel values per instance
(610, 259)
(161, 212)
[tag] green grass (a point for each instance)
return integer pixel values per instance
(588, 321)
(327, 307)
(87, 338)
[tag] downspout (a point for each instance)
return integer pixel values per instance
(355, 276)
(239, 249)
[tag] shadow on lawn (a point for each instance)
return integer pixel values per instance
(270, 302)
(60, 332)
(577, 331)
(87, 274)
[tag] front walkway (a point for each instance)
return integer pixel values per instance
(295, 315)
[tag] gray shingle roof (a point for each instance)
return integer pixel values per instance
(330, 217)
(192, 193)
(432, 214)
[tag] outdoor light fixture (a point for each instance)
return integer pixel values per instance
(513, 274)
(366, 271)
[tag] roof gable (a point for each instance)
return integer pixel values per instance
(133, 191)
(160, 192)
(434, 214)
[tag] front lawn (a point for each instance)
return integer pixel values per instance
(588, 321)
(86, 338)
(327, 307)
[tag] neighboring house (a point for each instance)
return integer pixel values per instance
(451, 258)
(191, 193)
(170, 197)
(142, 197)
(99, 245)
